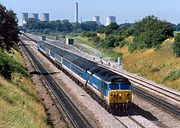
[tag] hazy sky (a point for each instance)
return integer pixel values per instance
(124, 10)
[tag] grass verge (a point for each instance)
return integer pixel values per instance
(19, 104)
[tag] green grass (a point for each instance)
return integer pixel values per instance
(84, 49)
(85, 41)
(176, 32)
(106, 53)
(173, 75)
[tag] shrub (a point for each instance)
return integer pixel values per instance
(176, 46)
(136, 46)
(176, 49)
(174, 75)
(8, 65)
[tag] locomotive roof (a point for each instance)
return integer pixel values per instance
(106, 74)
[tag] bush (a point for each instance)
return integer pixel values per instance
(176, 46)
(172, 76)
(119, 44)
(138, 45)
(8, 65)
(176, 49)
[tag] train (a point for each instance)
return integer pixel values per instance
(114, 89)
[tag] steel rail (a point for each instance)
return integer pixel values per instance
(135, 121)
(74, 115)
(157, 101)
(140, 80)
(152, 98)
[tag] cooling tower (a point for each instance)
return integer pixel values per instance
(34, 16)
(96, 19)
(45, 17)
(110, 19)
(24, 17)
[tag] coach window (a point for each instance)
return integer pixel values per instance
(66, 63)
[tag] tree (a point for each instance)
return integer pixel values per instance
(113, 26)
(67, 26)
(178, 27)
(60, 26)
(89, 26)
(8, 28)
(151, 32)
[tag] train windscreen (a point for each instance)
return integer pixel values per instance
(120, 86)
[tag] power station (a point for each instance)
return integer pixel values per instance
(44, 17)
(76, 12)
(34, 16)
(24, 17)
(96, 19)
(110, 19)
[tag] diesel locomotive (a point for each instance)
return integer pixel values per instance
(109, 86)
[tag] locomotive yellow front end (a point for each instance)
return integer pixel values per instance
(119, 94)
(119, 97)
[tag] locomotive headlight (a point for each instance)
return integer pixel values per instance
(127, 94)
(120, 96)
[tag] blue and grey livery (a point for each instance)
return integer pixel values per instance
(113, 88)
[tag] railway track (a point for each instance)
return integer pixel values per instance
(129, 119)
(143, 83)
(150, 97)
(157, 101)
(74, 115)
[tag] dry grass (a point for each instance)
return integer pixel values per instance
(154, 64)
(19, 105)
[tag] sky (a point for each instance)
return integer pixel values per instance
(124, 10)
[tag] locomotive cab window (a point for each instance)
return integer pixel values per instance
(125, 86)
(114, 86)
(122, 84)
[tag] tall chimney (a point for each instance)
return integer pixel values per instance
(76, 12)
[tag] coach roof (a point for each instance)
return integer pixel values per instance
(75, 59)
